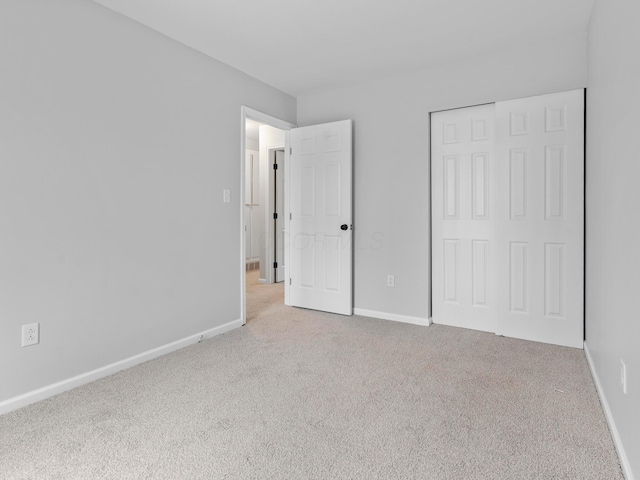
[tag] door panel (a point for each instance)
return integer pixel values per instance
(543, 217)
(320, 251)
(462, 217)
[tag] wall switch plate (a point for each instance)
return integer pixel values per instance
(391, 281)
(30, 334)
(623, 376)
(226, 196)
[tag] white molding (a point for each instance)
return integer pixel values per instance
(617, 441)
(287, 209)
(425, 322)
(70, 383)
(265, 118)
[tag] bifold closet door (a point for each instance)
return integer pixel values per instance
(540, 206)
(463, 222)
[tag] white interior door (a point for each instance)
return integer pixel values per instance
(279, 173)
(321, 218)
(463, 218)
(540, 143)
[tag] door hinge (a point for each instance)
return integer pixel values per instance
(275, 166)
(289, 281)
(290, 216)
(275, 264)
(275, 216)
(290, 150)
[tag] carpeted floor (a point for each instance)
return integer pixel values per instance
(298, 394)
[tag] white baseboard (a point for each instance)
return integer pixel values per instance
(425, 322)
(34, 396)
(624, 460)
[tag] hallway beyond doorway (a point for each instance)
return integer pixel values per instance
(262, 298)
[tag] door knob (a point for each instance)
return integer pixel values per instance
(344, 226)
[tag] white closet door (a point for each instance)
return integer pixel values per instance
(463, 219)
(540, 205)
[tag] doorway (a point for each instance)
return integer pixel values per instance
(318, 267)
(261, 137)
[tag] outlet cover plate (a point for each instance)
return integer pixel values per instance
(30, 334)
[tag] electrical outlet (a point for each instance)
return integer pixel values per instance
(30, 334)
(391, 281)
(226, 196)
(623, 376)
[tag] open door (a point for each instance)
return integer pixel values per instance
(320, 224)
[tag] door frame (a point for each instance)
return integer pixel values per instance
(245, 113)
(271, 243)
(269, 256)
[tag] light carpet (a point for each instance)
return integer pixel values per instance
(298, 394)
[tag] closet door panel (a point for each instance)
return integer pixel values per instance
(463, 219)
(540, 141)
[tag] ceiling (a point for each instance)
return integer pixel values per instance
(306, 46)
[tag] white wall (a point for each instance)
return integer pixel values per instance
(254, 224)
(115, 145)
(252, 143)
(613, 224)
(270, 137)
(391, 125)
